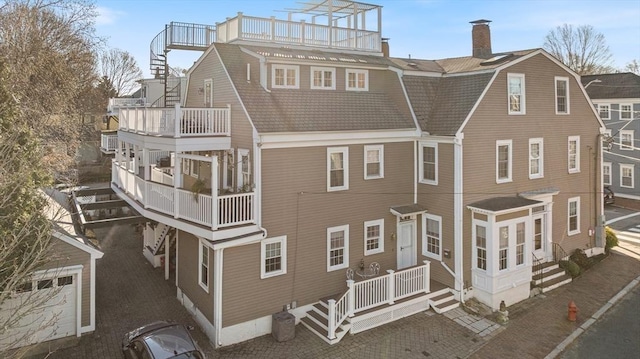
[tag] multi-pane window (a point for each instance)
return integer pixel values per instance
(574, 215)
(337, 247)
(357, 80)
(606, 173)
(535, 158)
(625, 112)
(230, 166)
(285, 76)
(244, 175)
(337, 168)
(273, 257)
(323, 78)
(626, 139)
(203, 274)
(503, 252)
(604, 112)
(503, 161)
(520, 243)
(562, 95)
(481, 247)
(537, 233)
(432, 238)
(208, 93)
(373, 237)
(574, 154)
(429, 163)
(516, 93)
(626, 175)
(374, 161)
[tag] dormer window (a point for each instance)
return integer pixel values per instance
(562, 95)
(516, 94)
(323, 78)
(285, 76)
(357, 80)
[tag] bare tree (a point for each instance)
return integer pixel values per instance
(121, 71)
(632, 66)
(581, 48)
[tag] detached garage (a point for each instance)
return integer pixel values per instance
(59, 301)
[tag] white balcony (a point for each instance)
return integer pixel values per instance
(120, 102)
(109, 142)
(176, 122)
(211, 210)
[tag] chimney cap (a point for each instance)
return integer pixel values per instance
(480, 22)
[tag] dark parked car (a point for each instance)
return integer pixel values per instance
(609, 197)
(160, 340)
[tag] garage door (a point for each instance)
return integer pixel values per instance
(43, 310)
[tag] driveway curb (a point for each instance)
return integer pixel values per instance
(576, 333)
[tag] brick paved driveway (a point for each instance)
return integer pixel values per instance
(130, 293)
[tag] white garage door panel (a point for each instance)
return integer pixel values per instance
(52, 318)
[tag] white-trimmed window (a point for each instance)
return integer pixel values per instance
(373, 161)
(574, 154)
(606, 173)
(373, 237)
(604, 111)
(195, 168)
(429, 163)
(432, 236)
(573, 216)
(337, 168)
(481, 247)
(203, 265)
(562, 95)
(208, 93)
(503, 161)
(244, 174)
(323, 78)
(516, 94)
(520, 243)
(273, 256)
(536, 158)
(357, 80)
(626, 139)
(503, 251)
(626, 175)
(285, 76)
(337, 247)
(626, 111)
(229, 169)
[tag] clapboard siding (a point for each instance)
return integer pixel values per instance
(187, 247)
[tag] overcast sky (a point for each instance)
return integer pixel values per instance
(426, 29)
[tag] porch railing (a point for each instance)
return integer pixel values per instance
(230, 210)
(558, 252)
(177, 121)
(109, 142)
(370, 293)
(537, 267)
(115, 103)
(244, 27)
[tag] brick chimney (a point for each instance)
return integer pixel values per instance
(481, 39)
(385, 46)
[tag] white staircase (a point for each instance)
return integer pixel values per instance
(317, 321)
(551, 277)
(167, 231)
(443, 301)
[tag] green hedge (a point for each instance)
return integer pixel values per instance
(612, 239)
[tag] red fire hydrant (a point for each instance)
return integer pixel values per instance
(573, 311)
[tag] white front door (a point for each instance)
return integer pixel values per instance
(539, 236)
(407, 252)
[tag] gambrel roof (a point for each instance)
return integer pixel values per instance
(612, 86)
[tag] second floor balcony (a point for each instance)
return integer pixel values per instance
(176, 122)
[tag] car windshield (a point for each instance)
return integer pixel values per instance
(170, 342)
(189, 355)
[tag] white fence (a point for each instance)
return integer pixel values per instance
(109, 142)
(176, 122)
(370, 293)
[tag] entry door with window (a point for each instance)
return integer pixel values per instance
(539, 236)
(407, 251)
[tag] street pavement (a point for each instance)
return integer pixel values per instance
(131, 293)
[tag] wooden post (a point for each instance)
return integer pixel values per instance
(178, 121)
(214, 192)
(332, 319)
(426, 273)
(351, 298)
(391, 286)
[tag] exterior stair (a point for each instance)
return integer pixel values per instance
(317, 320)
(551, 277)
(443, 301)
(167, 232)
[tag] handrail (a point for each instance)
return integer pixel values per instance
(558, 252)
(537, 267)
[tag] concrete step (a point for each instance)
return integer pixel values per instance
(446, 306)
(548, 276)
(556, 282)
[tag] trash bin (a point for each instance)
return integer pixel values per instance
(283, 326)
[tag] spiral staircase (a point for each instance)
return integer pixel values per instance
(176, 36)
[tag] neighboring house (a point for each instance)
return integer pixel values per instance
(617, 98)
(299, 160)
(59, 301)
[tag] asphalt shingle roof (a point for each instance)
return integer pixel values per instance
(612, 86)
(496, 204)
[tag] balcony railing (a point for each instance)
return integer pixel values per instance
(271, 29)
(209, 210)
(109, 142)
(377, 291)
(176, 122)
(118, 102)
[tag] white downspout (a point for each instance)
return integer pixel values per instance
(217, 293)
(458, 227)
